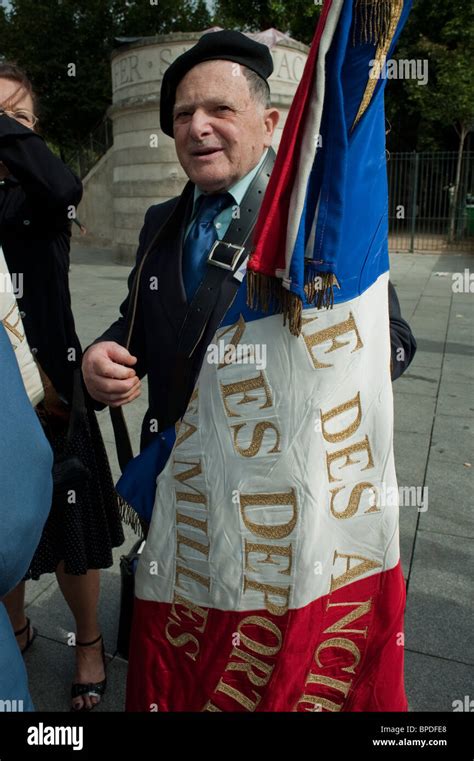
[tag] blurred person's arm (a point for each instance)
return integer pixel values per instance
(26, 482)
(44, 178)
(402, 340)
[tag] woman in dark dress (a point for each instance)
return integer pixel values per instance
(38, 199)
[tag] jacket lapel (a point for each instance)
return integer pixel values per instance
(165, 260)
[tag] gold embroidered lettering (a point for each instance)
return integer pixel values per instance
(182, 640)
(251, 663)
(181, 539)
(354, 501)
(350, 574)
(258, 647)
(359, 446)
(268, 550)
(243, 387)
(350, 429)
(332, 333)
(363, 608)
(238, 696)
(344, 644)
(278, 531)
(328, 681)
(205, 582)
(270, 589)
(257, 438)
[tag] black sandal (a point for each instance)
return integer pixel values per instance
(30, 638)
(95, 690)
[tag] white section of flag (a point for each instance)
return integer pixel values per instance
(216, 570)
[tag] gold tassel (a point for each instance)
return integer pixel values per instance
(264, 291)
(129, 516)
(325, 295)
(372, 21)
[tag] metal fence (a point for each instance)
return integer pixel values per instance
(426, 211)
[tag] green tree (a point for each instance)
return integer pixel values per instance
(427, 117)
(297, 18)
(3, 21)
(46, 36)
(444, 37)
(420, 117)
(65, 47)
(139, 18)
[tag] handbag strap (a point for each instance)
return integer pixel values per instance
(78, 405)
(77, 412)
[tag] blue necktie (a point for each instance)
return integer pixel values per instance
(202, 235)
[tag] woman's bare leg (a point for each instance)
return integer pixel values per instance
(82, 596)
(14, 602)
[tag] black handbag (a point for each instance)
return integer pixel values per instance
(68, 472)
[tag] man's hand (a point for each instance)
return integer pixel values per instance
(109, 375)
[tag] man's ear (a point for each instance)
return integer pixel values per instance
(271, 119)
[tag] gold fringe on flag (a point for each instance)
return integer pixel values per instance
(265, 292)
(395, 12)
(129, 516)
(372, 21)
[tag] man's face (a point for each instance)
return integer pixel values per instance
(220, 131)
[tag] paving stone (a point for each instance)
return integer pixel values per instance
(421, 382)
(434, 684)
(458, 368)
(412, 413)
(450, 499)
(456, 399)
(440, 603)
(50, 668)
(452, 439)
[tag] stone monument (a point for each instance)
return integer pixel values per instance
(141, 167)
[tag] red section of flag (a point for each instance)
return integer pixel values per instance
(342, 652)
(271, 227)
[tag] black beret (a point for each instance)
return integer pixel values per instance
(225, 45)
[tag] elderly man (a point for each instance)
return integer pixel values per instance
(192, 610)
(217, 110)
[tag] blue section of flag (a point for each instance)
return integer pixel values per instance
(348, 177)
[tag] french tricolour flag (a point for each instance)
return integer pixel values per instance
(271, 577)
